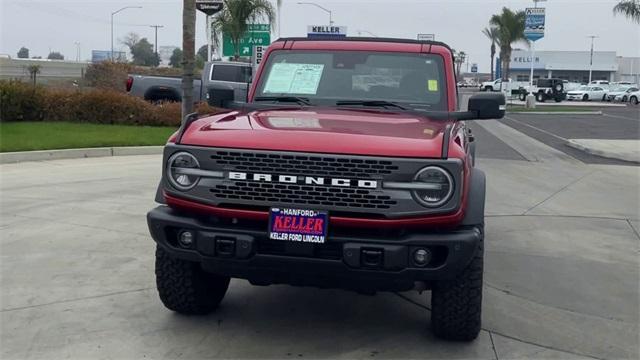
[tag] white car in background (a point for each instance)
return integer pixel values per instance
(634, 97)
(621, 93)
(588, 93)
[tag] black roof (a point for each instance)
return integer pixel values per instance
(365, 39)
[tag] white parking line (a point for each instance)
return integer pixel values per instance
(623, 117)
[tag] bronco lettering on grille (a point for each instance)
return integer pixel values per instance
(306, 180)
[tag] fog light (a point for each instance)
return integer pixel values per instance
(186, 239)
(422, 257)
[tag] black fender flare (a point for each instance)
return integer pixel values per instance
(159, 194)
(474, 214)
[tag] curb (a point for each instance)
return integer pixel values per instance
(556, 112)
(43, 155)
(606, 154)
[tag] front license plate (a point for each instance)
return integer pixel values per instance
(297, 225)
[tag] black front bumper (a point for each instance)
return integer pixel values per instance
(366, 260)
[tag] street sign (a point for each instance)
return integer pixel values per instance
(326, 31)
(534, 23)
(256, 58)
(474, 68)
(209, 7)
(257, 34)
(426, 37)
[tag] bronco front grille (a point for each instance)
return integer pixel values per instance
(303, 164)
(326, 196)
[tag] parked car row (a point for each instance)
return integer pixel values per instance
(558, 90)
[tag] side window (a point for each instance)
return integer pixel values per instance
(231, 73)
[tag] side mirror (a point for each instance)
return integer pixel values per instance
(488, 105)
(220, 97)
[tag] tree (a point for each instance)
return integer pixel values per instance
(459, 58)
(235, 17)
(188, 55)
(54, 55)
(510, 26)
(141, 50)
(33, 70)
(176, 58)
(629, 8)
(203, 52)
(492, 33)
(23, 53)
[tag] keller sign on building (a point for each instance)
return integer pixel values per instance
(325, 30)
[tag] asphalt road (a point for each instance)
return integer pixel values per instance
(554, 130)
(561, 279)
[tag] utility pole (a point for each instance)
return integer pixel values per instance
(591, 57)
(156, 29)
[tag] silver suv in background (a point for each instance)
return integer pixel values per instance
(216, 75)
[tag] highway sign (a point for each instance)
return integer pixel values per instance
(534, 23)
(209, 7)
(258, 34)
(474, 68)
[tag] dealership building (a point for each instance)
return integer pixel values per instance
(574, 66)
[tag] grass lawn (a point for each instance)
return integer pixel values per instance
(25, 136)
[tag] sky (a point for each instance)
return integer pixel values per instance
(48, 25)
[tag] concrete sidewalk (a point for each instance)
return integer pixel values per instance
(627, 150)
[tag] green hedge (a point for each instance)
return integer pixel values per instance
(21, 101)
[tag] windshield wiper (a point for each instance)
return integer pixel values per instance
(295, 99)
(376, 103)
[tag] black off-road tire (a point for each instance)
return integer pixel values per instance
(540, 97)
(185, 288)
(456, 305)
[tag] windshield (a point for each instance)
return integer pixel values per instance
(332, 77)
(621, 88)
(584, 88)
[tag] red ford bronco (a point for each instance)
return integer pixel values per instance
(349, 166)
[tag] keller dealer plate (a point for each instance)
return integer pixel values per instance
(297, 225)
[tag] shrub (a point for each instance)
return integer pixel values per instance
(20, 101)
(24, 102)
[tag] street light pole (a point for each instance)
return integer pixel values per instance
(320, 7)
(77, 50)
(366, 32)
(112, 14)
(591, 57)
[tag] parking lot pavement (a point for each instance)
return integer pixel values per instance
(557, 130)
(77, 280)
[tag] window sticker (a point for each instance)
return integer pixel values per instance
(288, 78)
(432, 85)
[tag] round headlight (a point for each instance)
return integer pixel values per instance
(439, 189)
(178, 171)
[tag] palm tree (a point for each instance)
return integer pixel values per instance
(188, 54)
(629, 8)
(235, 17)
(492, 33)
(510, 27)
(459, 58)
